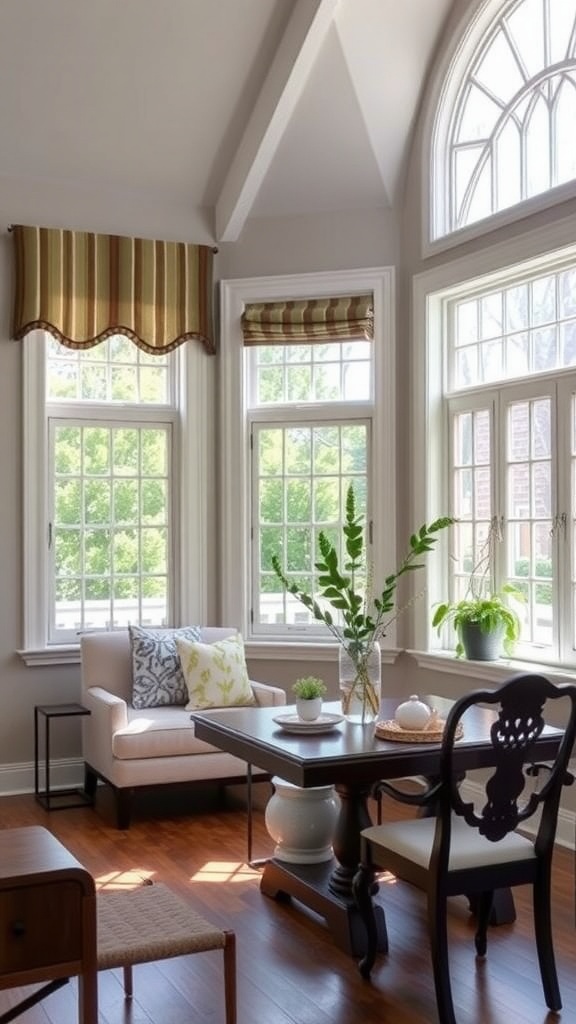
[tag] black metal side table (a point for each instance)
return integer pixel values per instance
(62, 798)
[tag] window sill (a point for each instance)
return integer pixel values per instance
(255, 651)
(69, 655)
(489, 671)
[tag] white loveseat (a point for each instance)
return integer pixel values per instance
(129, 748)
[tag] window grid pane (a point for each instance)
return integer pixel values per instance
(291, 374)
(301, 476)
(109, 487)
(110, 526)
(508, 333)
(471, 496)
(529, 523)
(115, 371)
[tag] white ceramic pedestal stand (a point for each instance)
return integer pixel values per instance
(301, 821)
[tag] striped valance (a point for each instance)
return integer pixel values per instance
(84, 287)
(310, 320)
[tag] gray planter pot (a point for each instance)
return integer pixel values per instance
(480, 646)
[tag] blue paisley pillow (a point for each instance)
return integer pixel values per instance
(156, 669)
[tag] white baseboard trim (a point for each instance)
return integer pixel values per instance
(65, 773)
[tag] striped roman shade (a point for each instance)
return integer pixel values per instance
(83, 287)
(308, 320)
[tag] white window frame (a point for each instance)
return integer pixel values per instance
(236, 466)
(439, 104)
(495, 265)
(194, 593)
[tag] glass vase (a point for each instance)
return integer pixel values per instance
(360, 682)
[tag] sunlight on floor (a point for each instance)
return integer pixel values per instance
(225, 871)
(386, 877)
(211, 871)
(118, 880)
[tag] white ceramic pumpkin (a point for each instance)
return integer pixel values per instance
(413, 713)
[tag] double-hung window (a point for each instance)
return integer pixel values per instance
(101, 518)
(118, 433)
(310, 422)
(301, 419)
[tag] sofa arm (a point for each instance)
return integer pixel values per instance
(108, 713)
(268, 696)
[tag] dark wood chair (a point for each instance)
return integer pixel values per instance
(474, 848)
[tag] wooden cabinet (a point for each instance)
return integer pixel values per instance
(47, 916)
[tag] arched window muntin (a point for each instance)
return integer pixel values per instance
(530, 98)
(540, 92)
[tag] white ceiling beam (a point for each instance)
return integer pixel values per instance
(309, 23)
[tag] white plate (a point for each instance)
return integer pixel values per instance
(324, 723)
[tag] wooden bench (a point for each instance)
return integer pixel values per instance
(153, 923)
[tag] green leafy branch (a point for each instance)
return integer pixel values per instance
(362, 625)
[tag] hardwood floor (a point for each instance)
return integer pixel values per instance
(289, 971)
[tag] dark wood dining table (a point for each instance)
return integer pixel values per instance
(352, 758)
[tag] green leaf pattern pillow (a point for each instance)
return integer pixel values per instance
(215, 674)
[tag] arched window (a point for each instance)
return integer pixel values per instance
(504, 131)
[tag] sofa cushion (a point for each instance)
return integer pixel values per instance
(216, 674)
(169, 732)
(156, 669)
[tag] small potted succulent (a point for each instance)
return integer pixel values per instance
(309, 692)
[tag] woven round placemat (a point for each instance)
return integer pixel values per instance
(390, 730)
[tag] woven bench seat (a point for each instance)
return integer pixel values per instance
(153, 923)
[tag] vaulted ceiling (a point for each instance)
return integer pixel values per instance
(246, 108)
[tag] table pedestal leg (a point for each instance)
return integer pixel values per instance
(327, 888)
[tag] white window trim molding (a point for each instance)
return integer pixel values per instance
(193, 457)
(35, 454)
(307, 651)
(440, 98)
(495, 672)
(234, 489)
(430, 496)
(195, 453)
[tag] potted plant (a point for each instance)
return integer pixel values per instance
(484, 621)
(309, 692)
(360, 620)
(484, 625)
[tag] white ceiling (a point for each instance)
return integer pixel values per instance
(246, 107)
